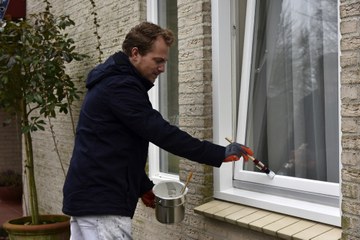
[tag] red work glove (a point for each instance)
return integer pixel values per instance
(148, 199)
(234, 151)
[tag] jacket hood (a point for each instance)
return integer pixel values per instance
(117, 64)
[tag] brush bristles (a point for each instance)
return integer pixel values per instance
(271, 174)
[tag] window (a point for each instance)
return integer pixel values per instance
(165, 95)
(280, 61)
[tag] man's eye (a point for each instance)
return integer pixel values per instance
(160, 61)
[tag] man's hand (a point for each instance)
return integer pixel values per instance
(234, 151)
(148, 199)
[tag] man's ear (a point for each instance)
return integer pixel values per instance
(134, 52)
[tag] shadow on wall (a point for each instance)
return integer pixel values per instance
(10, 144)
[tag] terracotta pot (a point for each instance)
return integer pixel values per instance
(55, 227)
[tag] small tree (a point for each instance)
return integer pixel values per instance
(33, 81)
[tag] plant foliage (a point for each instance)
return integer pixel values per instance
(34, 84)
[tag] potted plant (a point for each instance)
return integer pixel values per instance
(35, 86)
(10, 186)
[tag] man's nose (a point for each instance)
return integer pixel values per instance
(161, 67)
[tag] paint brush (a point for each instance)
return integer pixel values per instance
(262, 167)
(186, 183)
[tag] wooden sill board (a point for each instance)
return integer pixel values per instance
(275, 224)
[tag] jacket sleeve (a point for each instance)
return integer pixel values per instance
(130, 103)
(146, 185)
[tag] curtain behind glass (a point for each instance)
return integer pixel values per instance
(293, 113)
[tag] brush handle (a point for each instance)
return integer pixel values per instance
(186, 183)
(258, 163)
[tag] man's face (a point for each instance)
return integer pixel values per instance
(153, 63)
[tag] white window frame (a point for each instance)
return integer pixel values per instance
(222, 42)
(154, 152)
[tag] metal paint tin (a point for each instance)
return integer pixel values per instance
(169, 202)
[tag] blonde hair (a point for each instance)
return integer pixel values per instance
(144, 35)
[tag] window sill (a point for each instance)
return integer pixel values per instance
(270, 223)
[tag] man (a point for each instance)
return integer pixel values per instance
(107, 175)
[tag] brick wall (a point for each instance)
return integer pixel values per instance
(115, 18)
(350, 113)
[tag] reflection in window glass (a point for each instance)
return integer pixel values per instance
(168, 83)
(292, 120)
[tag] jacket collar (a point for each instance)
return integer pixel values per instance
(122, 61)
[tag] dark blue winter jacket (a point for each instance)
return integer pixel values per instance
(107, 169)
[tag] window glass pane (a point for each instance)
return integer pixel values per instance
(168, 83)
(292, 122)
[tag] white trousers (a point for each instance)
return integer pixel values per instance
(107, 227)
